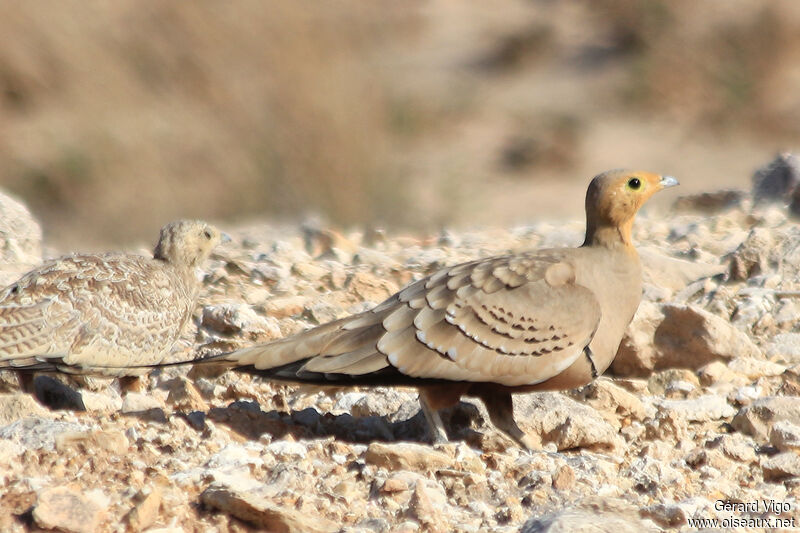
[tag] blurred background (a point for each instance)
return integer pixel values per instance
(413, 115)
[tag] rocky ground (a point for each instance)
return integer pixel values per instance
(701, 405)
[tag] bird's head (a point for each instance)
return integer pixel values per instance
(187, 243)
(614, 198)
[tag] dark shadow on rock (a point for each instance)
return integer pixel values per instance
(154, 414)
(26, 519)
(247, 419)
(196, 419)
(56, 396)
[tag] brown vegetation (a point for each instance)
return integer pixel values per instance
(119, 118)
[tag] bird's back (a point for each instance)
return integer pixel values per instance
(511, 320)
(94, 311)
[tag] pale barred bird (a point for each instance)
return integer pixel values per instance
(104, 314)
(541, 320)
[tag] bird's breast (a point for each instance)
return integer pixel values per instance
(616, 281)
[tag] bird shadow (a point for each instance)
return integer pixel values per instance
(56, 395)
(248, 420)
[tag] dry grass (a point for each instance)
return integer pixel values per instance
(149, 110)
(118, 118)
(714, 65)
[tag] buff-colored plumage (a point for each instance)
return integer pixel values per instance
(546, 319)
(104, 314)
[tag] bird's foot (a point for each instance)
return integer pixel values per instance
(530, 443)
(501, 412)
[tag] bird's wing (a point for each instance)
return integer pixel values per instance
(32, 331)
(87, 313)
(511, 320)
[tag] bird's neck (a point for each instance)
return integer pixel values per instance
(611, 236)
(186, 273)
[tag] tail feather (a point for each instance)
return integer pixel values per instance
(347, 341)
(28, 364)
(295, 373)
(375, 362)
(341, 338)
(343, 350)
(338, 363)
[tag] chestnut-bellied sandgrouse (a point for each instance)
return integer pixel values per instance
(104, 314)
(540, 320)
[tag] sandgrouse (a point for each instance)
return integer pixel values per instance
(540, 320)
(104, 314)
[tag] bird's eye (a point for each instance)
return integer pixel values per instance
(207, 234)
(634, 183)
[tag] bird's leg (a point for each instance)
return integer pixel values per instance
(431, 403)
(501, 411)
(435, 397)
(435, 425)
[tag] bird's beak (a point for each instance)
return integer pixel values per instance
(224, 237)
(668, 181)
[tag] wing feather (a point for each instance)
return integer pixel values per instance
(500, 320)
(401, 317)
(337, 363)
(505, 323)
